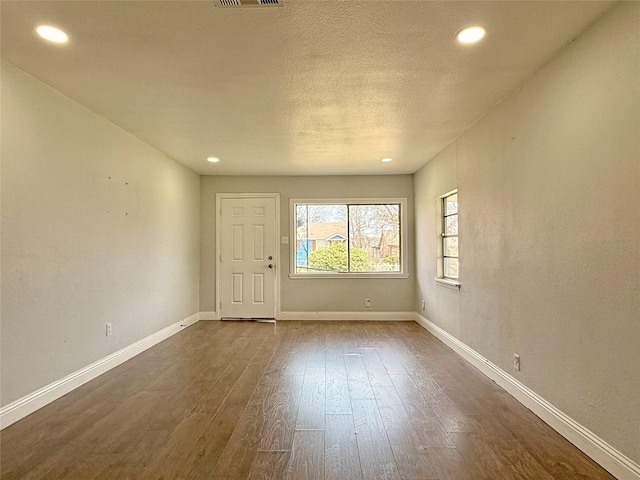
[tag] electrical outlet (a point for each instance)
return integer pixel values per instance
(516, 361)
(424, 305)
(367, 302)
(108, 329)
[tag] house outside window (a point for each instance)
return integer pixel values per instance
(354, 237)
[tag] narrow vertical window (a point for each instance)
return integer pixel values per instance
(450, 260)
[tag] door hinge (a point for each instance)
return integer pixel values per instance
(220, 305)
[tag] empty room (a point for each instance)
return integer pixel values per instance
(339, 239)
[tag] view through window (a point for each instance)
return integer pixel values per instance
(348, 238)
(451, 263)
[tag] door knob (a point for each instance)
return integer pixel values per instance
(270, 265)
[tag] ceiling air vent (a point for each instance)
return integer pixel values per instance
(249, 3)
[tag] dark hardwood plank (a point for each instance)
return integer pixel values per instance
(226, 381)
(558, 457)
(483, 460)
(449, 415)
(212, 442)
(117, 390)
(281, 413)
(410, 456)
(497, 456)
(269, 465)
(24, 450)
(85, 467)
(226, 478)
(179, 452)
(378, 376)
(239, 453)
(341, 460)
(297, 360)
(423, 418)
(450, 464)
(28, 453)
(376, 457)
(458, 393)
(317, 351)
(391, 356)
(129, 466)
(357, 377)
(307, 456)
(311, 411)
(278, 363)
(337, 398)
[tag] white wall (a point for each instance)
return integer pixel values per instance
(549, 191)
(311, 295)
(97, 227)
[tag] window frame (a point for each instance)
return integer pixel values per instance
(442, 213)
(445, 236)
(402, 202)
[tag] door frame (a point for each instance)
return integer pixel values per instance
(276, 284)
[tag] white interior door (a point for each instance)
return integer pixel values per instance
(247, 273)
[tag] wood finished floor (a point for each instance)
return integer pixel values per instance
(299, 400)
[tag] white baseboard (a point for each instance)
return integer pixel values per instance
(615, 462)
(354, 316)
(209, 316)
(38, 399)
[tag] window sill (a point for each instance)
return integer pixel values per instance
(388, 276)
(447, 282)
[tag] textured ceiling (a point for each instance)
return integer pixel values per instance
(315, 87)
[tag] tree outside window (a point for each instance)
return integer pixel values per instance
(348, 238)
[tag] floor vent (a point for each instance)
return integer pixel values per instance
(249, 3)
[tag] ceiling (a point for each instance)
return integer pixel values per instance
(310, 88)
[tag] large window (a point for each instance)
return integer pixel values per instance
(450, 260)
(351, 237)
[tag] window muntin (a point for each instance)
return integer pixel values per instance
(354, 237)
(450, 252)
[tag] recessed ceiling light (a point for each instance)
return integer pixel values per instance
(386, 160)
(213, 159)
(52, 34)
(470, 34)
